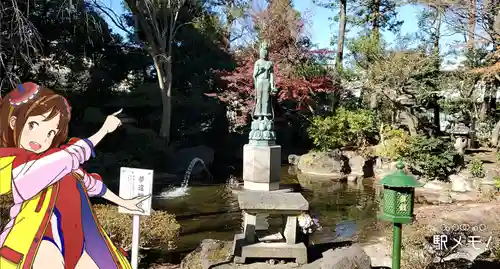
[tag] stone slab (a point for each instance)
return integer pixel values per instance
(273, 201)
(242, 251)
(290, 231)
(276, 250)
(261, 164)
(261, 186)
(241, 191)
(275, 237)
(347, 257)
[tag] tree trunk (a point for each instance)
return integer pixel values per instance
(485, 107)
(410, 121)
(340, 50)
(376, 20)
(437, 120)
(376, 36)
(494, 135)
(340, 41)
(493, 97)
(229, 24)
(164, 73)
(471, 26)
(436, 39)
(373, 100)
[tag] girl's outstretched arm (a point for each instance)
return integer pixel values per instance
(133, 204)
(32, 173)
(110, 124)
(93, 183)
(96, 188)
(112, 197)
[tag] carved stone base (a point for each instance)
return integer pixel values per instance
(261, 131)
(261, 164)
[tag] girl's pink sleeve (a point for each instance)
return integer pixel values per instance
(93, 184)
(32, 175)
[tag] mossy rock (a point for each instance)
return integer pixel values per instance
(209, 253)
(329, 164)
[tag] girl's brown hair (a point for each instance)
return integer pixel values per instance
(44, 101)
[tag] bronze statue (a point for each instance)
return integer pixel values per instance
(261, 130)
(263, 76)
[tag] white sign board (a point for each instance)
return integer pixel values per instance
(136, 182)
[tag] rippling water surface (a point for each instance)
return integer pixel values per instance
(345, 210)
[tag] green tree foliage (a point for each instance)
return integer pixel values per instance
(345, 128)
(394, 144)
(433, 158)
(368, 14)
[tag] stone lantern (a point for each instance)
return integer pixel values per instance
(397, 206)
(463, 137)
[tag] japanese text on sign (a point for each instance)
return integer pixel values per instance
(136, 182)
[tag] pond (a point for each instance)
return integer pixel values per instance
(345, 211)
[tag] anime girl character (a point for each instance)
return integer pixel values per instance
(52, 223)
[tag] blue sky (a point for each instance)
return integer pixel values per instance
(320, 28)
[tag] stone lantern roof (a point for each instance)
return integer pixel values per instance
(460, 129)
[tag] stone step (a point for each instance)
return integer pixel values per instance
(275, 250)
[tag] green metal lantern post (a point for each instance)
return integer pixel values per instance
(398, 194)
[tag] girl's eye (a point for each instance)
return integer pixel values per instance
(51, 134)
(32, 125)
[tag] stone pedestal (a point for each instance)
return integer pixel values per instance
(288, 206)
(261, 167)
(261, 172)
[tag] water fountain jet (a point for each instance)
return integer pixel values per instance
(183, 189)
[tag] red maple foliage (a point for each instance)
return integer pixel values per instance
(239, 93)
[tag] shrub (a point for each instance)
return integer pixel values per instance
(433, 158)
(496, 180)
(395, 145)
(345, 128)
(5, 204)
(158, 230)
(484, 131)
(477, 168)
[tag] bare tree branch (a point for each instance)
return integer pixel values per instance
(19, 40)
(115, 19)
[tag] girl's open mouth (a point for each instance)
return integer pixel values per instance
(35, 145)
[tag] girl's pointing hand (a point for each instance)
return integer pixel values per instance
(112, 122)
(135, 204)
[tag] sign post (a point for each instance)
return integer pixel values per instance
(136, 182)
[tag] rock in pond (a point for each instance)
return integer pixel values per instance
(348, 257)
(380, 254)
(209, 253)
(320, 183)
(293, 159)
(331, 165)
(432, 196)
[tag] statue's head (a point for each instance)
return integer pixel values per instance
(264, 50)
